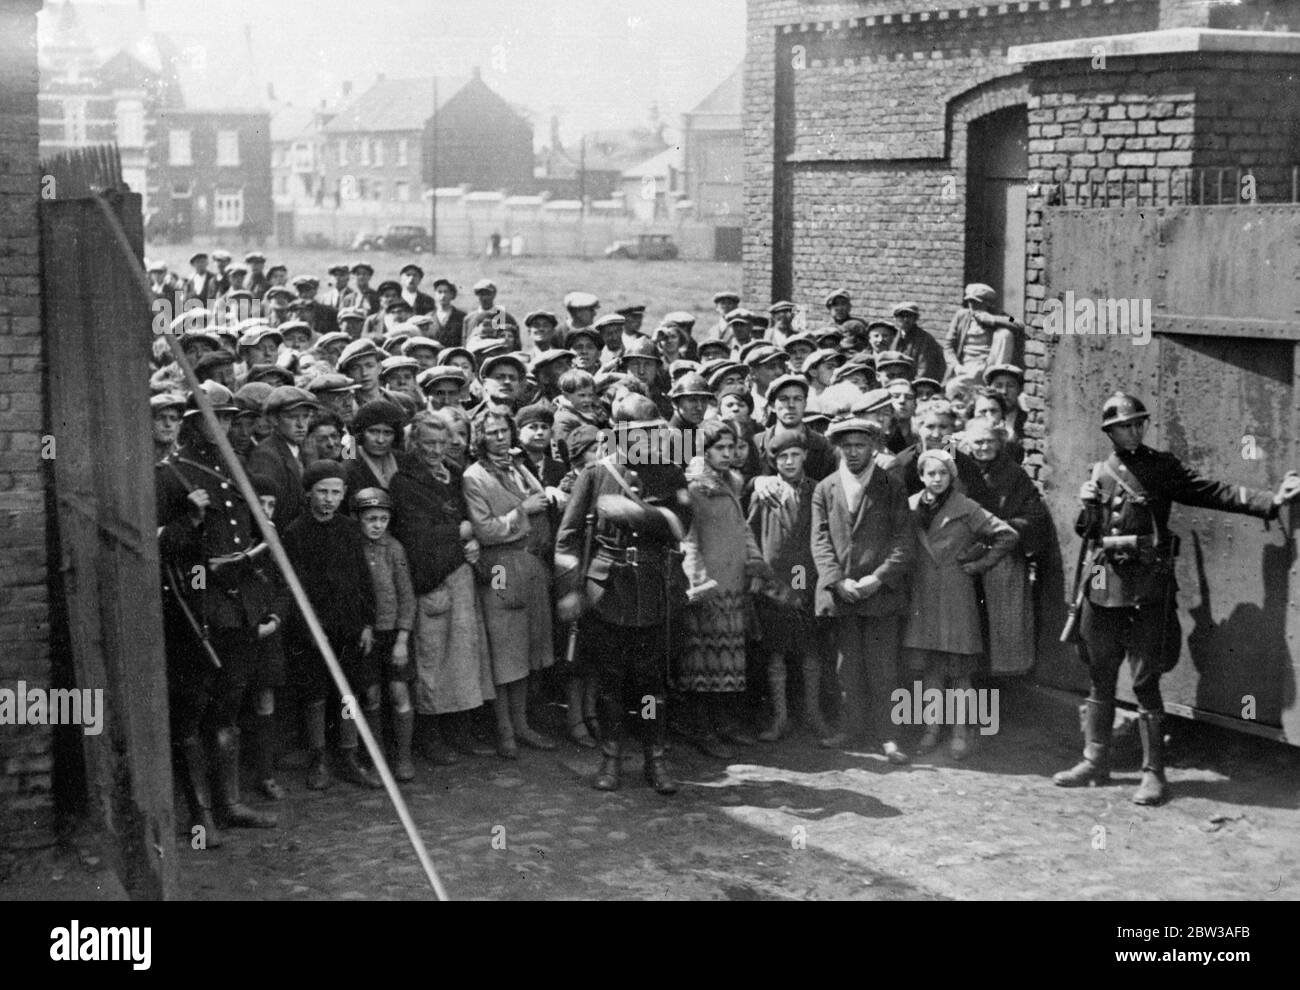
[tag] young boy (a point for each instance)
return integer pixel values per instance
(327, 551)
(394, 617)
(575, 406)
(536, 426)
(784, 534)
(270, 655)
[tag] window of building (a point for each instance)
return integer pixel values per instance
(365, 152)
(282, 185)
(130, 124)
(228, 148)
(402, 192)
(343, 151)
(74, 121)
(228, 209)
(181, 190)
(401, 151)
(178, 148)
(377, 191)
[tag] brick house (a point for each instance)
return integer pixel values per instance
(713, 146)
(212, 171)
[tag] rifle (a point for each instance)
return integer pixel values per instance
(1070, 634)
(571, 650)
(200, 631)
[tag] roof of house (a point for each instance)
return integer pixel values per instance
(658, 165)
(288, 123)
(393, 105)
(725, 99)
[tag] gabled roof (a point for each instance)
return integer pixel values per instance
(657, 166)
(288, 123)
(393, 105)
(726, 98)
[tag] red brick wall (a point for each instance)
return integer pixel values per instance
(25, 751)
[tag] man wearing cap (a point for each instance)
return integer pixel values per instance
(336, 393)
(166, 408)
(1008, 380)
(782, 327)
(320, 317)
(222, 260)
(219, 367)
(585, 343)
(684, 323)
(1128, 607)
(257, 281)
(486, 291)
(723, 303)
(840, 305)
(420, 302)
(259, 344)
(448, 327)
(630, 596)
(504, 378)
(893, 366)
(335, 295)
(581, 308)
(202, 285)
(547, 369)
(766, 364)
(442, 386)
(738, 329)
(787, 396)
(361, 295)
(206, 530)
(634, 317)
(819, 368)
(864, 543)
(541, 326)
(610, 327)
(280, 456)
(361, 361)
(275, 304)
(980, 335)
(926, 352)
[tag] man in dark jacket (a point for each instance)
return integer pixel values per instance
(280, 457)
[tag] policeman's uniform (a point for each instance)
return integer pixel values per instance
(206, 571)
(1128, 606)
(634, 584)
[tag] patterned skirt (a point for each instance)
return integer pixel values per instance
(714, 654)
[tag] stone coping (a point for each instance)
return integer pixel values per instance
(1167, 42)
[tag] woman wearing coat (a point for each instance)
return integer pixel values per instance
(1010, 495)
(723, 563)
(449, 642)
(377, 427)
(958, 541)
(509, 511)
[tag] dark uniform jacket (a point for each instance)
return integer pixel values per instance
(1144, 574)
(274, 459)
(233, 596)
(879, 538)
(635, 576)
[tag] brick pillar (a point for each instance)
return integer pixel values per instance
(25, 751)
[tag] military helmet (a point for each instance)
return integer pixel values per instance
(1122, 408)
(635, 411)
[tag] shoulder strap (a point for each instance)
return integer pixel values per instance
(622, 482)
(1132, 487)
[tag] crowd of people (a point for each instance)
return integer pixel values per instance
(687, 529)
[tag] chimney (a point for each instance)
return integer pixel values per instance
(555, 132)
(270, 92)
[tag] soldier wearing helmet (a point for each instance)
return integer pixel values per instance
(1128, 604)
(629, 589)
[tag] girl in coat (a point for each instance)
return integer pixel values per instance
(958, 541)
(723, 563)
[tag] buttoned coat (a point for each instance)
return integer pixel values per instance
(274, 459)
(879, 539)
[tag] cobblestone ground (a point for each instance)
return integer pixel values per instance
(788, 821)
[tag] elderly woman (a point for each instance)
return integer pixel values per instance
(723, 563)
(509, 511)
(992, 407)
(1010, 495)
(449, 641)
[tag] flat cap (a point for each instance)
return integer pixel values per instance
(782, 306)
(365, 347)
(411, 266)
(441, 373)
(678, 318)
(609, 320)
(256, 334)
(541, 314)
(286, 397)
(485, 285)
(837, 294)
(724, 296)
(497, 360)
(252, 396)
(331, 383)
(397, 363)
(580, 300)
(166, 400)
(542, 358)
(342, 268)
(413, 344)
(782, 382)
(269, 372)
(218, 395)
(334, 337)
(352, 313)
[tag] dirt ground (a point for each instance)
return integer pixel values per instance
(524, 284)
(784, 822)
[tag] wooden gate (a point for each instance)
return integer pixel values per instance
(97, 332)
(1219, 377)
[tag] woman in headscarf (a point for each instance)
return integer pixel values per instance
(1010, 495)
(509, 510)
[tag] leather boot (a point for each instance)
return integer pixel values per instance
(812, 698)
(610, 774)
(780, 715)
(193, 773)
(655, 733)
(351, 770)
(264, 741)
(403, 730)
(460, 736)
(230, 810)
(1096, 719)
(1152, 790)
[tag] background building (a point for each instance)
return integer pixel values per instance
(713, 146)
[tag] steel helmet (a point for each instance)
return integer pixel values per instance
(1122, 408)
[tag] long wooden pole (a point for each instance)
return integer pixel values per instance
(272, 540)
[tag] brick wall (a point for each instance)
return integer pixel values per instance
(855, 123)
(25, 751)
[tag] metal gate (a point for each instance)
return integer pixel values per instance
(97, 347)
(1219, 376)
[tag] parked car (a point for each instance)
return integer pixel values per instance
(399, 237)
(646, 247)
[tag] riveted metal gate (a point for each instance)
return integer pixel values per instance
(1219, 374)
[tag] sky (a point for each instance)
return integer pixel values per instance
(595, 63)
